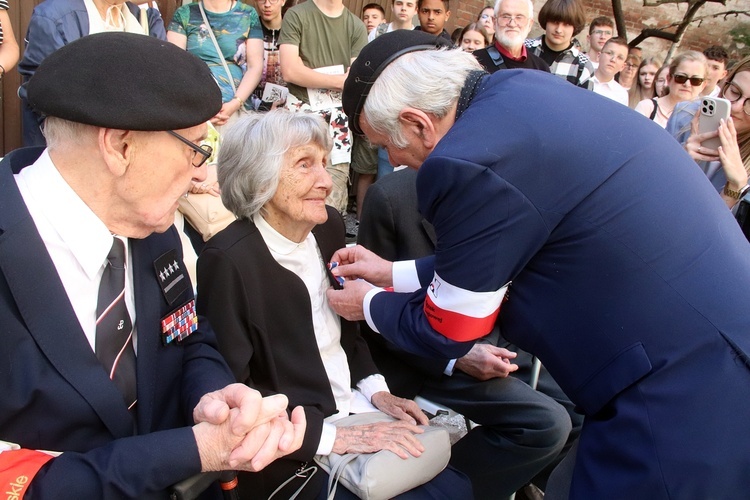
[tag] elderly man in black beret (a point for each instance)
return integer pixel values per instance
(104, 364)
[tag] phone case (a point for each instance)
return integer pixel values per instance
(712, 110)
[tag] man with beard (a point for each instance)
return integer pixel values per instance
(513, 20)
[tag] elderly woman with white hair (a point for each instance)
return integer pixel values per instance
(262, 283)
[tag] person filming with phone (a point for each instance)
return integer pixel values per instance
(724, 151)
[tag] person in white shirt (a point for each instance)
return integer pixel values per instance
(611, 61)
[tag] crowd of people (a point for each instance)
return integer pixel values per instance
(138, 355)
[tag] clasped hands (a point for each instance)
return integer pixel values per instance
(238, 429)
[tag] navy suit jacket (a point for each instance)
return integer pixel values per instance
(57, 396)
(630, 280)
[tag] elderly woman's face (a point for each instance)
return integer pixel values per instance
(298, 204)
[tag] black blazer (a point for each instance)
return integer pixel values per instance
(263, 321)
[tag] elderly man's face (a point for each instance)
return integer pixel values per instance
(298, 205)
(412, 156)
(512, 24)
(157, 177)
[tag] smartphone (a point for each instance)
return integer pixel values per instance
(713, 109)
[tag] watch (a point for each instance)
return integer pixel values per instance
(736, 194)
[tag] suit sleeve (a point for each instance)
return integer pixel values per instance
(487, 231)
(43, 37)
(378, 233)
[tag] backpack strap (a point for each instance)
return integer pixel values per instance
(496, 57)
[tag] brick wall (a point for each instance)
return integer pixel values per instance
(698, 36)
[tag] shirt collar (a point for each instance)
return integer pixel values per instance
(79, 228)
(508, 55)
(275, 241)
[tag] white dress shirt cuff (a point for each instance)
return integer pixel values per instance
(327, 437)
(405, 277)
(372, 384)
(450, 367)
(366, 307)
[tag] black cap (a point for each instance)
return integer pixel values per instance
(125, 81)
(373, 59)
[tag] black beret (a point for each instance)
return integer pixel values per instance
(373, 59)
(125, 81)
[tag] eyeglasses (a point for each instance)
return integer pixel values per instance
(272, 2)
(695, 81)
(616, 57)
(204, 151)
(732, 93)
(601, 32)
(505, 19)
(484, 17)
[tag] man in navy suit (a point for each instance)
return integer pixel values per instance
(618, 266)
(99, 202)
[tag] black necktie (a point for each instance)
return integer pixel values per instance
(114, 329)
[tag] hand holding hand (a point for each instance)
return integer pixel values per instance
(400, 408)
(397, 437)
(238, 429)
(358, 262)
(486, 361)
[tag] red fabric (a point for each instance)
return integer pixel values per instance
(457, 326)
(507, 54)
(17, 469)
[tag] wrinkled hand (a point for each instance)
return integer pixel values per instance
(486, 361)
(347, 302)
(400, 408)
(358, 262)
(236, 428)
(397, 437)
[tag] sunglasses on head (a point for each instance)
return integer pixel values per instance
(694, 80)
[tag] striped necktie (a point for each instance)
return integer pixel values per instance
(114, 328)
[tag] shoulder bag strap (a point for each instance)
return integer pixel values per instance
(656, 107)
(337, 469)
(216, 46)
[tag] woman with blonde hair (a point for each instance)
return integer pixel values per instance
(685, 80)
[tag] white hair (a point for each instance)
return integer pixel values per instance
(531, 8)
(59, 132)
(428, 80)
(252, 155)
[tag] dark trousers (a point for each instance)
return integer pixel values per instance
(521, 431)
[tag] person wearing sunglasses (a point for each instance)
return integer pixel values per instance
(685, 81)
(726, 167)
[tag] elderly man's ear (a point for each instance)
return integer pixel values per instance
(116, 147)
(419, 126)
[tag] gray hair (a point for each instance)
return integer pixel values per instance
(531, 8)
(58, 132)
(252, 154)
(417, 80)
